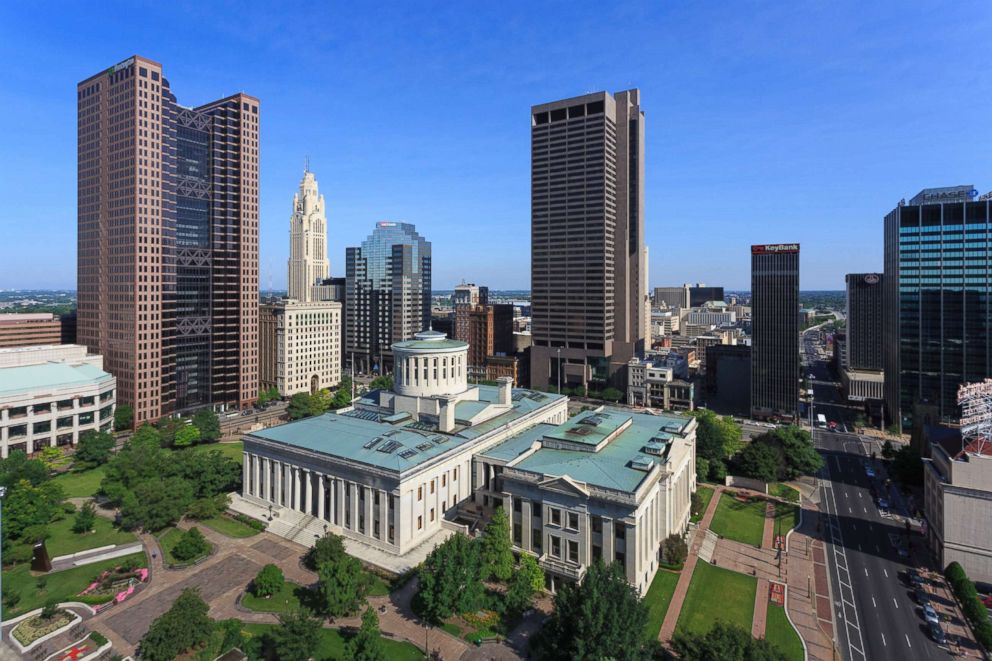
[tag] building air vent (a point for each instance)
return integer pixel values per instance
(406, 454)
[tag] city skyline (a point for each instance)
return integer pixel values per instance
(802, 132)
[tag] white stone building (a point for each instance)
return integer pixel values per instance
(308, 265)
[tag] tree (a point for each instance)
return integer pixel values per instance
(329, 548)
(147, 434)
(367, 644)
(85, 518)
(168, 427)
(303, 405)
(726, 642)
(382, 383)
(717, 438)
(210, 473)
(535, 575)
(123, 417)
(702, 469)
(51, 456)
(191, 545)
(497, 549)
(180, 628)
(612, 395)
(451, 579)
(342, 396)
(266, 396)
(209, 425)
(674, 550)
(28, 507)
(186, 436)
(759, 461)
(156, 503)
(341, 586)
(268, 581)
(696, 504)
(888, 452)
(94, 448)
(520, 591)
(209, 507)
(17, 467)
(297, 636)
(599, 618)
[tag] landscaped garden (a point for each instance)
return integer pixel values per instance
(181, 548)
(786, 518)
(49, 620)
(63, 540)
(237, 527)
(780, 633)
(783, 491)
(287, 599)
(658, 598)
(717, 594)
(740, 520)
(700, 501)
(80, 483)
(332, 644)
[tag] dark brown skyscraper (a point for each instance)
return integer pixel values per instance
(775, 331)
(168, 241)
(587, 238)
(864, 321)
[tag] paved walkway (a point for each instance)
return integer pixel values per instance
(808, 595)
(682, 587)
(760, 609)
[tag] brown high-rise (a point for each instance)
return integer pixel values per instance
(167, 269)
(587, 238)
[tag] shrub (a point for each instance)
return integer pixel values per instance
(98, 638)
(50, 609)
(268, 581)
(85, 518)
(971, 605)
(191, 545)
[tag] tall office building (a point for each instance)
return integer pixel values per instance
(587, 238)
(308, 264)
(938, 260)
(775, 331)
(388, 293)
(864, 321)
(168, 241)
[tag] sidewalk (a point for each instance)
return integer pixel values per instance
(808, 572)
(675, 606)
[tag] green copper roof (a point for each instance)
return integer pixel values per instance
(47, 375)
(431, 344)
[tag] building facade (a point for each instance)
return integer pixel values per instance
(308, 265)
(864, 321)
(51, 395)
(587, 238)
(300, 346)
(388, 293)
(30, 329)
(937, 325)
(775, 331)
(167, 269)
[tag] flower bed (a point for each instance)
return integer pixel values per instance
(113, 585)
(87, 648)
(34, 628)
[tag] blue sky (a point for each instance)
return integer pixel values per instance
(766, 121)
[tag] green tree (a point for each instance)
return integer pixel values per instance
(168, 427)
(17, 467)
(329, 548)
(367, 644)
(182, 627)
(85, 518)
(51, 456)
(759, 461)
(674, 550)
(717, 438)
(342, 396)
(210, 473)
(94, 448)
(702, 469)
(123, 417)
(535, 575)
(147, 434)
(888, 452)
(155, 503)
(612, 395)
(341, 586)
(301, 405)
(297, 637)
(209, 425)
(598, 618)
(520, 591)
(30, 507)
(726, 642)
(497, 548)
(186, 436)
(451, 579)
(192, 544)
(268, 581)
(382, 383)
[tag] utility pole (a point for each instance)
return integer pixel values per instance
(559, 370)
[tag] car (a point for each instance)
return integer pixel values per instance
(930, 615)
(987, 600)
(937, 634)
(869, 471)
(921, 596)
(883, 504)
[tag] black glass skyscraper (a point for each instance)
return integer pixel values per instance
(775, 331)
(937, 317)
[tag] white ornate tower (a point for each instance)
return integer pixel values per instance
(307, 240)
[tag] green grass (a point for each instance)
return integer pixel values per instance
(716, 594)
(786, 518)
(743, 522)
(332, 644)
(225, 525)
(658, 598)
(233, 450)
(452, 628)
(379, 587)
(706, 495)
(61, 585)
(63, 541)
(779, 632)
(81, 484)
(784, 491)
(168, 539)
(286, 600)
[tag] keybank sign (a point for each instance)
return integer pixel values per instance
(774, 248)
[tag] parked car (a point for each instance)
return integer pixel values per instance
(930, 615)
(937, 634)
(913, 578)
(921, 596)
(883, 504)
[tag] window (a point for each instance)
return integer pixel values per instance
(555, 546)
(444, 479)
(535, 540)
(432, 514)
(517, 533)
(535, 509)
(597, 552)
(620, 557)
(517, 505)
(420, 493)
(573, 521)
(620, 531)
(432, 486)
(420, 522)
(555, 516)
(454, 474)
(573, 551)
(597, 524)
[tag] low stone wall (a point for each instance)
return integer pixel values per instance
(746, 483)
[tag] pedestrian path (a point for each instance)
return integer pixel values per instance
(760, 609)
(808, 595)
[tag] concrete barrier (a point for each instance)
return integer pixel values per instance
(746, 483)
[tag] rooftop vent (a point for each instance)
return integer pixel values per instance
(655, 448)
(591, 420)
(406, 454)
(641, 464)
(390, 447)
(439, 439)
(424, 447)
(374, 442)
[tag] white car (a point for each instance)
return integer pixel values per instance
(930, 615)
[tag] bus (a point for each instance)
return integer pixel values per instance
(821, 421)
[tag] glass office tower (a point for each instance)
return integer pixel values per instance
(775, 331)
(937, 254)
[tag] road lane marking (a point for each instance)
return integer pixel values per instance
(859, 494)
(850, 511)
(883, 640)
(866, 511)
(886, 572)
(895, 602)
(866, 571)
(873, 604)
(907, 640)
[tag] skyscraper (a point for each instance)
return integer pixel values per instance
(168, 241)
(937, 325)
(775, 331)
(307, 241)
(864, 321)
(388, 293)
(587, 238)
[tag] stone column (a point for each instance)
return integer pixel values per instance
(245, 470)
(339, 501)
(308, 490)
(525, 524)
(353, 491)
(630, 559)
(255, 471)
(277, 479)
(297, 496)
(320, 496)
(609, 537)
(383, 515)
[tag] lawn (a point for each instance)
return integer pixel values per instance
(81, 484)
(332, 644)
(61, 585)
(786, 518)
(167, 539)
(716, 594)
(744, 522)
(225, 525)
(784, 491)
(233, 450)
(658, 597)
(63, 541)
(779, 632)
(705, 495)
(286, 600)
(379, 587)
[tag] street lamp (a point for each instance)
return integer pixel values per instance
(3, 493)
(559, 370)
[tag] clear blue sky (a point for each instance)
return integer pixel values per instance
(766, 121)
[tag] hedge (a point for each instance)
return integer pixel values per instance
(971, 604)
